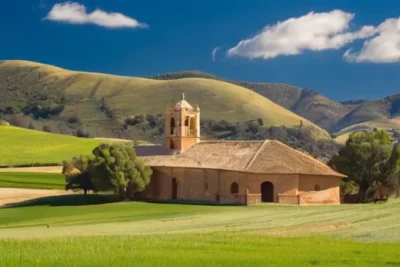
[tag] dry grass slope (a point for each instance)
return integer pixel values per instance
(129, 96)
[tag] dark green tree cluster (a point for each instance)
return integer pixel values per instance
(371, 161)
(78, 174)
(111, 168)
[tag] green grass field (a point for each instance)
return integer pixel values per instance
(21, 146)
(32, 180)
(230, 249)
(83, 231)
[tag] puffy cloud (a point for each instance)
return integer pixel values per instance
(214, 53)
(75, 13)
(383, 48)
(313, 31)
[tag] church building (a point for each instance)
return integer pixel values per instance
(232, 172)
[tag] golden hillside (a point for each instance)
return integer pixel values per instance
(82, 93)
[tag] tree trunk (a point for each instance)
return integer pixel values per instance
(362, 194)
(85, 191)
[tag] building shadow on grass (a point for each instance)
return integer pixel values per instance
(191, 202)
(65, 200)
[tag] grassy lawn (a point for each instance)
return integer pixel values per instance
(83, 231)
(196, 250)
(22, 146)
(32, 180)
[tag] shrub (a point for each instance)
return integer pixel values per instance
(82, 133)
(47, 128)
(4, 123)
(74, 119)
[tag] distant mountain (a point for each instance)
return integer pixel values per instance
(307, 103)
(80, 102)
(324, 112)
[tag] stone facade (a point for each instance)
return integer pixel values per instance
(206, 185)
(182, 126)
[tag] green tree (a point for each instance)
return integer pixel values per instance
(78, 174)
(370, 161)
(116, 168)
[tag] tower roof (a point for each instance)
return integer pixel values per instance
(183, 104)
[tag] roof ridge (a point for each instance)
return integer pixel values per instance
(256, 154)
(230, 141)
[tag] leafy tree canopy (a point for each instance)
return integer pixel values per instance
(371, 161)
(113, 168)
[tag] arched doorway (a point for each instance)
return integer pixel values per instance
(174, 188)
(234, 188)
(267, 192)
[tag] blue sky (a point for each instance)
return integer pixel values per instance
(148, 37)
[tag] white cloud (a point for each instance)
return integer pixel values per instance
(75, 13)
(383, 48)
(313, 31)
(214, 53)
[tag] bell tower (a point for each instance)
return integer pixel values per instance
(182, 126)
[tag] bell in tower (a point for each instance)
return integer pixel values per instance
(182, 126)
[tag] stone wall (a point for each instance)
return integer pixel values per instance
(253, 199)
(196, 184)
(329, 189)
(288, 199)
(283, 183)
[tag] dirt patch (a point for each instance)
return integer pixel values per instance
(9, 196)
(50, 169)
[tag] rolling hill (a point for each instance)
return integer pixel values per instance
(387, 124)
(20, 146)
(328, 114)
(307, 103)
(101, 103)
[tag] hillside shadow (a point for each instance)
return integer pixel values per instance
(65, 200)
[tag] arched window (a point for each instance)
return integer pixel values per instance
(317, 188)
(187, 121)
(172, 125)
(234, 188)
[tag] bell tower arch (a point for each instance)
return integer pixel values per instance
(182, 126)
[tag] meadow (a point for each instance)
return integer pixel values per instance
(230, 249)
(76, 230)
(32, 180)
(23, 147)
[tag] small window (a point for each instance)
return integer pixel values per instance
(317, 188)
(172, 126)
(234, 188)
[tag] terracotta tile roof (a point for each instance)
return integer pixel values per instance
(153, 150)
(248, 156)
